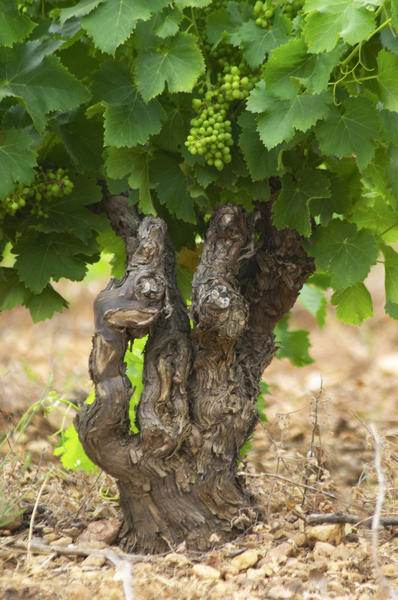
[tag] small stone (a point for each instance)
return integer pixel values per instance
(299, 539)
(93, 561)
(205, 572)
(72, 531)
(256, 574)
(101, 512)
(214, 538)
(279, 592)
(48, 530)
(322, 550)
(247, 559)
(51, 537)
(279, 553)
(324, 533)
(229, 572)
(177, 560)
(63, 542)
(101, 531)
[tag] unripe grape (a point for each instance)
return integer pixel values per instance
(55, 189)
(14, 206)
(218, 164)
(259, 21)
(269, 13)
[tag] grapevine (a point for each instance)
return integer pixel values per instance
(36, 197)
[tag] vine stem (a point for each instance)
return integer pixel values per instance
(358, 47)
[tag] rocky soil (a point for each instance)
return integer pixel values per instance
(315, 456)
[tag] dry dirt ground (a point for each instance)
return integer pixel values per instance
(282, 556)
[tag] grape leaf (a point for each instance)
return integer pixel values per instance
(114, 20)
(291, 207)
(84, 7)
(12, 290)
(391, 309)
(172, 189)
(169, 22)
(389, 125)
(315, 302)
(392, 171)
(43, 306)
(391, 274)
(179, 63)
(83, 139)
(16, 160)
(45, 256)
(71, 452)
(353, 304)
(378, 216)
(261, 162)
(329, 19)
(18, 118)
(338, 202)
(133, 162)
(41, 81)
(228, 19)
(351, 129)
(295, 344)
(70, 213)
(257, 42)
(176, 124)
(293, 61)
(184, 282)
(387, 79)
(344, 252)
(376, 172)
(128, 119)
(280, 118)
(110, 243)
(14, 27)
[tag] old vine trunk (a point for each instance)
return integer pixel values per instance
(178, 476)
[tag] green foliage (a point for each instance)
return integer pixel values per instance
(182, 105)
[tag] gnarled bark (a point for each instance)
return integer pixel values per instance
(178, 476)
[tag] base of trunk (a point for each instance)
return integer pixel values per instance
(161, 519)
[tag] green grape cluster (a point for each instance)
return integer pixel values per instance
(46, 186)
(292, 8)
(210, 134)
(263, 13)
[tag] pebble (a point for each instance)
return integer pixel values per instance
(63, 542)
(323, 549)
(279, 592)
(93, 561)
(102, 531)
(177, 560)
(51, 537)
(278, 553)
(324, 533)
(247, 559)
(205, 572)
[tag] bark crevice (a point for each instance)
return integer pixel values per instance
(178, 476)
